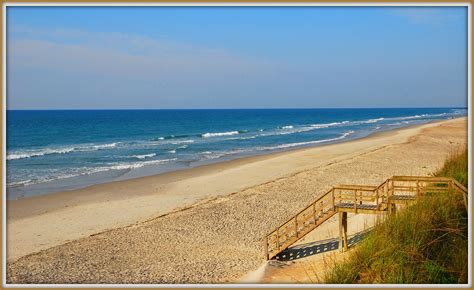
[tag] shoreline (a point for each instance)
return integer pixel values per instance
(183, 172)
(81, 182)
(149, 197)
(180, 174)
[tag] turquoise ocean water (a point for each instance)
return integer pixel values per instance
(49, 151)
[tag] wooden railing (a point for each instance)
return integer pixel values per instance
(299, 225)
(356, 199)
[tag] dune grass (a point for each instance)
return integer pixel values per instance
(425, 243)
(456, 166)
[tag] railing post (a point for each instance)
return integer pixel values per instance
(355, 200)
(391, 188)
(278, 239)
(266, 248)
(377, 198)
(321, 212)
(417, 188)
(333, 199)
(296, 226)
(314, 212)
(464, 199)
(342, 231)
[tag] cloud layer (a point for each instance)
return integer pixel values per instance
(327, 66)
(122, 55)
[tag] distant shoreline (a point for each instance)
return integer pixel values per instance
(65, 185)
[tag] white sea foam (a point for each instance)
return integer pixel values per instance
(289, 145)
(135, 165)
(369, 121)
(304, 128)
(319, 126)
(410, 117)
(62, 150)
(37, 153)
(207, 135)
(103, 146)
(20, 183)
(374, 120)
(210, 155)
(291, 129)
(144, 156)
(149, 144)
(296, 130)
(180, 147)
(241, 138)
(83, 171)
(418, 116)
(218, 154)
(182, 142)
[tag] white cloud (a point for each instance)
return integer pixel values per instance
(118, 54)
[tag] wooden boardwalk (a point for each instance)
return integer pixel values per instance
(356, 199)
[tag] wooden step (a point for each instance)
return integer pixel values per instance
(357, 199)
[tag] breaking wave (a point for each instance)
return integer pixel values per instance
(219, 134)
(144, 156)
(83, 171)
(65, 150)
(289, 145)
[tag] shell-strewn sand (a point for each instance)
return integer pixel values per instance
(216, 240)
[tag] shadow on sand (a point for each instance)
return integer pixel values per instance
(314, 248)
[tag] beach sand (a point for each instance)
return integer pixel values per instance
(206, 224)
(309, 259)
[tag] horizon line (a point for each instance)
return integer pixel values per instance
(190, 109)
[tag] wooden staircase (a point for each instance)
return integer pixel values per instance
(366, 199)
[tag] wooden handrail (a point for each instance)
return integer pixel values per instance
(421, 178)
(460, 186)
(316, 217)
(464, 192)
(294, 216)
(356, 186)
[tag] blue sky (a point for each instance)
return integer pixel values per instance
(236, 57)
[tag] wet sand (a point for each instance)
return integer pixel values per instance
(204, 224)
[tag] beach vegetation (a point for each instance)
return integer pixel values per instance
(425, 243)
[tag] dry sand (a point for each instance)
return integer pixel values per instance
(137, 231)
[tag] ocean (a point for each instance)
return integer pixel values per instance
(57, 150)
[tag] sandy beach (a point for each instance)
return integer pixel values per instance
(206, 224)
